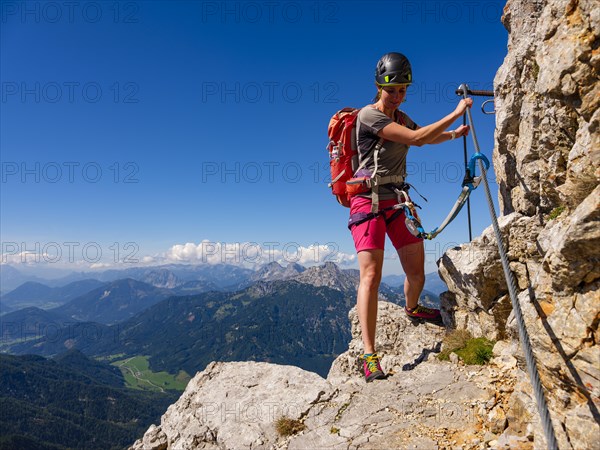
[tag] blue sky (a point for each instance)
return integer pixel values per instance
(131, 129)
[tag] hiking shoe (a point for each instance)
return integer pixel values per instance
(421, 312)
(371, 367)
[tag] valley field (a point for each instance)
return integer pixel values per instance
(138, 375)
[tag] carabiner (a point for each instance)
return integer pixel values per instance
(474, 158)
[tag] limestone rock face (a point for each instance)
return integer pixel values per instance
(547, 151)
(424, 403)
(235, 405)
(402, 343)
(547, 164)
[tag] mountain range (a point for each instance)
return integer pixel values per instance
(32, 293)
(299, 319)
(168, 275)
(280, 314)
(186, 277)
(113, 302)
(287, 315)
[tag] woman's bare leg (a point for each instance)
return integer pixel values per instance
(370, 263)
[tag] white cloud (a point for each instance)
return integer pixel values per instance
(100, 266)
(252, 254)
(246, 254)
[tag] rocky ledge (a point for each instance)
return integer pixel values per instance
(424, 403)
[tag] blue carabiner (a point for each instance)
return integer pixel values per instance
(474, 158)
(470, 171)
(412, 224)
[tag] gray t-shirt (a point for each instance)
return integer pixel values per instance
(392, 156)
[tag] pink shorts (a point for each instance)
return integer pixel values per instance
(370, 235)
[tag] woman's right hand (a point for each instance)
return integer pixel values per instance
(462, 106)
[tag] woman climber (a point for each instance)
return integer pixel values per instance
(384, 135)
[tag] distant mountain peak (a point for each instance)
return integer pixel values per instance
(295, 266)
(162, 278)
(114, 301)
(329, 275)
(274, 271)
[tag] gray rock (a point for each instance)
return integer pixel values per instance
(489, 436)
(402, 343)
(474, 274)
(582, 427)
(546, 159)
(497, 420)
(235, 405)
(572, 246)
(329, 275)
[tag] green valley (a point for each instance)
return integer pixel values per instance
(137, 374)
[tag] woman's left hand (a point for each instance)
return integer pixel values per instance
(461, 131)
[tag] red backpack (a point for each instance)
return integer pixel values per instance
(343, 159)
(343, 152)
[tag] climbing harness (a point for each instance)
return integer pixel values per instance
(405, 205)
(510, 281)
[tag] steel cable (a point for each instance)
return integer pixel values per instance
(534, 375)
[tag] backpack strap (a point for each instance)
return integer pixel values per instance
(374, 185)
(375, 151)
(375, 180)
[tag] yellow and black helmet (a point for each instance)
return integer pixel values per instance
(393, 68)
